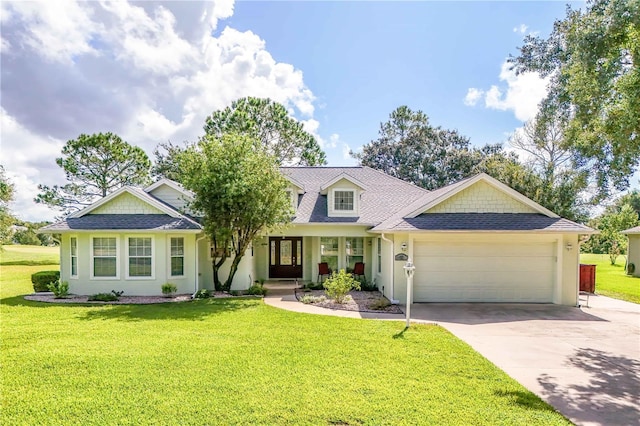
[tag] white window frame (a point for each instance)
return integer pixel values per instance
(153, 254)
(184, 255)
(91, 266)
(72, 256)
(353, 201)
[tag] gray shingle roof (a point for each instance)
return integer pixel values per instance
(147, 222)
(384, 196)
(485, 222)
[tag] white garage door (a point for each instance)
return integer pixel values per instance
(484, 272)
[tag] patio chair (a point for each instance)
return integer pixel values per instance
(323, 269)
(358, 270)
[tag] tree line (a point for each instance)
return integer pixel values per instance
(579, 151)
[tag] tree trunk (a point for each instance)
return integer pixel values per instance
(232, 271)
(216, 276)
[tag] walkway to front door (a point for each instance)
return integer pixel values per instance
(285, 257)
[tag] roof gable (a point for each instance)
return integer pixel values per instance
(171, 184)
(480, 194)
(342, 176)
(139, 201)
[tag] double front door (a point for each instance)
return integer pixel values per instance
(285, 257)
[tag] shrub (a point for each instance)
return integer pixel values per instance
(310, 299)
(257, 290)
(368, 285)
(380, 304)
(338, 285)
(168, 289)
(235, 293)
(42, 279)
(202, 294)
(60, 289)
(104, 297)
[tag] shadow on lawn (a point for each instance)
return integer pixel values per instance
(191, 310)
(610, 396)
(526, 399)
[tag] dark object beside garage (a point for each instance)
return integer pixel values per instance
(588, 278)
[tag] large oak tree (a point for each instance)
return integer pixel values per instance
(592, 58)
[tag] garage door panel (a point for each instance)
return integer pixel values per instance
(472, 249)
(484, 272)
(479, 264)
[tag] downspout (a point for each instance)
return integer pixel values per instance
(391, 265)
(197, 265)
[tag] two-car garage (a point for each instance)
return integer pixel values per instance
(485, 269)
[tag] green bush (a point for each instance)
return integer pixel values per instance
(202, 294)
(368, 285)
(235, 293)
(339, 285)
(60, 289)
(168, 289)
(310, 299)
(257, 290)
(380, 304)
(106, 297)
(42, 279)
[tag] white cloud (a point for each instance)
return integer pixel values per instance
(149, 73)
(28, 159)
(333, 140)
(521, 95)
(473, 96)
(522, 28)
(58, 31)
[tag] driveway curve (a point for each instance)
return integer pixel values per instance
(584, 361)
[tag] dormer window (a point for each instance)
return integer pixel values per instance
(343, 200)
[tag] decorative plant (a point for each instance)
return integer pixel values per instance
(257, 290)
(202, 294)
(339, 285)
(169, 289)
(60, 289)
(310, 299)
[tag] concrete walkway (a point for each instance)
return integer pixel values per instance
(583, 361)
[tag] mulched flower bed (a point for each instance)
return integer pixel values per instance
(360, 301)
(123, 300)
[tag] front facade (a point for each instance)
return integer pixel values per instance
(474, 241)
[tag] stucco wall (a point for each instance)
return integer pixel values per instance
(634, 253)
(481, 198)
(86, 285)
(243, 278)
(126, 204)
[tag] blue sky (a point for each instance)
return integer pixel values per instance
(152, 71)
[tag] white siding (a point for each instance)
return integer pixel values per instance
(170, 196)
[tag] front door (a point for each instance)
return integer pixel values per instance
(285, 257)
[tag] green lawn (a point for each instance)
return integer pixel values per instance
(29, 255)
(611, 280)
(239, 361)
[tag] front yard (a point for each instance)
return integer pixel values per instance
(239, 361)
(611, 280)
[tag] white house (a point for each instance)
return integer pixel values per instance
(473, 241)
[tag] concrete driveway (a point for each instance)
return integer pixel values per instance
(583, 361)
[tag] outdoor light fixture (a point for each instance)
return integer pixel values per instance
(569, 246)
(403, 246)
(409, 268)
